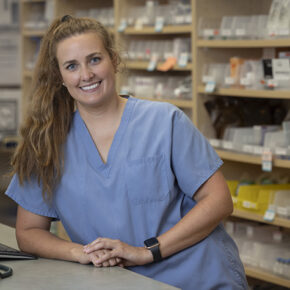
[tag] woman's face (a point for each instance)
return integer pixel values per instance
(86, 69)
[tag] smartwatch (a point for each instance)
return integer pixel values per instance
(152, 244)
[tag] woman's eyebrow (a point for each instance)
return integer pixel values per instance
(87, 57)
(68, 62)
(93, 54)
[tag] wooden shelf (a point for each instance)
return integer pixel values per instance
(111, 30)
(6, 150)
(142, 65)
(266, 276)
(33, 33)
(178, 103)
(248, 93)
(244, 43)
(27, 73)
(32, 1)
(280, 222)
(248, 158)
(182, 29)
(10, 86)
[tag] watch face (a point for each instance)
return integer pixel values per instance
(151, 242)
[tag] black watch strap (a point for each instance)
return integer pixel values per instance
(152, 244)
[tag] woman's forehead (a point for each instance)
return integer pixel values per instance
(85, 42)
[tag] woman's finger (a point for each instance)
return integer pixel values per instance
(100, 244)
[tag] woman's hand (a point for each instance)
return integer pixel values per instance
(94, 257)
(115, 249)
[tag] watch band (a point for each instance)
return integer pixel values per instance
(152, 244)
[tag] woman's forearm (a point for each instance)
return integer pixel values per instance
(214, 204)
(33, 236)
(42, 243)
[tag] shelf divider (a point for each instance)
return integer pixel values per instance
(280, 222)
(248, 93)
(248, 158)
(266, 276)
(247, 43)
(183, 29)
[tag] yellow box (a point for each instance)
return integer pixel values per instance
(256, 198)
(233, 185)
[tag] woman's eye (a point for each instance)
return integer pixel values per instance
(95, 59)
(71, 66)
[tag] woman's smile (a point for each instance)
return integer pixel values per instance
(92, 87)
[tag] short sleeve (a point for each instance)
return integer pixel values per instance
(29, 196)
(193, 158)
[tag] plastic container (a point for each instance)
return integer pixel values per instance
(214, 72)
(209, 28)
(256, 198)
(273, 19)
(226, 28)
(251, 74)
(261, 28)
(274, 139)
(241, 27)
(282, 203)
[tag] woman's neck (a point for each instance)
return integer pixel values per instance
(105, 114)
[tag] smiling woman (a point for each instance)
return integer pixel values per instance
(47, 125)
(134, 183)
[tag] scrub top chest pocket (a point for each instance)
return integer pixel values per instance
(146, 179)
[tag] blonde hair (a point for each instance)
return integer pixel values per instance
(44, 131)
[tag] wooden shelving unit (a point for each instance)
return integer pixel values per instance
(217, 51)
(149, 33)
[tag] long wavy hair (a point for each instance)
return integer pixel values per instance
(44, 131)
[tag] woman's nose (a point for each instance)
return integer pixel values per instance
(86, 73)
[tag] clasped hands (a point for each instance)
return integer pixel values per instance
(105, 252)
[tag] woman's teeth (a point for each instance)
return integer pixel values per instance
(91, 86)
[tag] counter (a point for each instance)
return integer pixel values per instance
(48, 274)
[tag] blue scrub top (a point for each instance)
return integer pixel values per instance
(156, 163)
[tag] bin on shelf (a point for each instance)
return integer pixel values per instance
(281, 203)
(233, 186)
(256, 198)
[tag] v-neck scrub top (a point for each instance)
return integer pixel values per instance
(156, 163)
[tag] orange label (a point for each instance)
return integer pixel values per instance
(168, 64)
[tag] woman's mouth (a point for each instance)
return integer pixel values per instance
(91, 87)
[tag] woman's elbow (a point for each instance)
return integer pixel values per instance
(229, 208)
(20, 238)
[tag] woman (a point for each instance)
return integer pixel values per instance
(118, 172)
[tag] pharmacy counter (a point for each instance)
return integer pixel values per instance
(46, 274)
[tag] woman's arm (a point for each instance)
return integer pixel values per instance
(33, 236)
(214, 203)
